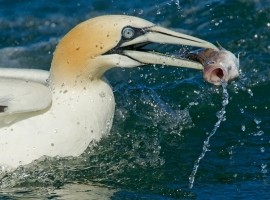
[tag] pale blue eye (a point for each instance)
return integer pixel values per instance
(211, 62)
(128, 32)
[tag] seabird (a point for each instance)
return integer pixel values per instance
(58, 113)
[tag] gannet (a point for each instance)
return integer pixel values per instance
(58, 113)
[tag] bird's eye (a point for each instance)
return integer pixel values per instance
(128, 33)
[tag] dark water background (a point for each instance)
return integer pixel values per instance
(163, 115)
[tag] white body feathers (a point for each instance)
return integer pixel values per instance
(54, 121)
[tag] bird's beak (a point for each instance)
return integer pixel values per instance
(155, 34)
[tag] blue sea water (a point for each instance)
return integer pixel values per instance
(163, 114)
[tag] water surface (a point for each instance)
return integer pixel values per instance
(163, 114)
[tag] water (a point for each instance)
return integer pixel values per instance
(162, 113)
(206, 143)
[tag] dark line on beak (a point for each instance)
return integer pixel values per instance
(175, 36)
(134, 59)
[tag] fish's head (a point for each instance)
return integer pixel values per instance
(219, 66)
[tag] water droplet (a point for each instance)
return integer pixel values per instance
(220, 113)
(262, 149)
(225, 102)
(257, 121)
(141, 12)
(264, 170)
(250, 92)
(102, 94)
(108, 124)
(259, 133)
(193, 103)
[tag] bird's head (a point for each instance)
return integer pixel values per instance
(98, 44)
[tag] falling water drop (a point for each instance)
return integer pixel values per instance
(257, 121)
(206, 145)
(250, 92)
(264, 170)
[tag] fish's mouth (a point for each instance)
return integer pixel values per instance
(218, 73)
(215, 74)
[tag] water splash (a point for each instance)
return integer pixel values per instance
(206, 145)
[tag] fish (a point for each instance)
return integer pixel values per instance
(219, 65)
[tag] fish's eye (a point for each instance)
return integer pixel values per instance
(211, 62)
(128, 32)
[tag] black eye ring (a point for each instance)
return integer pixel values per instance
(128, 32)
